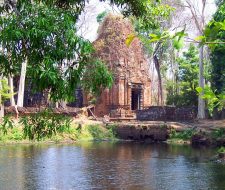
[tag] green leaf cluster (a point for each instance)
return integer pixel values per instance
(96, 77)
(100, 17)
(214, 100)
(45, 36)
(44, 124)
(184, 93)
(4, 91)
(215, 33)
(6, 124)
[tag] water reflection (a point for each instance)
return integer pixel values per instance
(109, 166)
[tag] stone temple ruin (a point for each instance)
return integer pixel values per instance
(131, 90)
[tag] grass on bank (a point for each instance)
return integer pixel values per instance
(181, 136)
(47, 126)
(73, 133)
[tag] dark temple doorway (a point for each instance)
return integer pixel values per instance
(136, 99)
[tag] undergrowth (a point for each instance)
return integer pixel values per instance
(182, 135)
(218, 133)
(47, 125)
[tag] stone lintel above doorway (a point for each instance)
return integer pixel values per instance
(136, 85)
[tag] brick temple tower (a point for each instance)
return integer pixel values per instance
(132, 85)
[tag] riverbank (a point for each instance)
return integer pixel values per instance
(78, 130)
(198, 133)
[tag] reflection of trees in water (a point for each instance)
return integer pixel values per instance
(182, 167)
(190, 153)
(118, 165)
(217, 176)
(144, 166)
(16, 166)
(109, 166)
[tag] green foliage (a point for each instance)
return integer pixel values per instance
(96, 132)
(96, 77)
(130, 39)
(213, 99)
(6, 124)
(218, 133)
(149, 25)
(215, 33)
(101, 16)
(44, 124)
(183, 135)
(112, 130)
(45, 36)
(48, 126)
(16, 134)
(92, 132)
(184, 93)
(221, 150)
(154, 30)
(4, 91)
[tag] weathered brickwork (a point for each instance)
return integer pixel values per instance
(132, 85)
(166, 113)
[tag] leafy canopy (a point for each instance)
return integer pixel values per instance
(215, 32)
(43, 33)
(187, 76)
(45, 36)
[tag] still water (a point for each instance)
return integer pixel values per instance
(109, 166)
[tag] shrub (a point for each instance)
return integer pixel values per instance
(218, 133)
(6, 124)
(44, 124)
(184, 135)
(16, 134)
(221, 150)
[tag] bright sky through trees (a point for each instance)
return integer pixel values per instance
(88, 25)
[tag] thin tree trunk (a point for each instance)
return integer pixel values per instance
(200, 24)
(160, 93)
(2, 114)
(11, 91)
(201, 102)
(12, 99)
(57, 105)
(22, 84)
(1, 101)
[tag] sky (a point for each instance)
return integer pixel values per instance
(88, 26)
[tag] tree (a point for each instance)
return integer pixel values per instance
(149, 27)
(41, 41)
(4, 94)
(100, 17)
(219, 2)
(186, 94)
(215, 32)
(200, 23)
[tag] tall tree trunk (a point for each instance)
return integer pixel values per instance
(201, 102)
(22, 84)
(11, 91)
(57, 105)
(1, 101)
(160, 92)
(12, 99)
(200, 24)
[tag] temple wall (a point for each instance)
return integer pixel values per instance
(128, 65)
